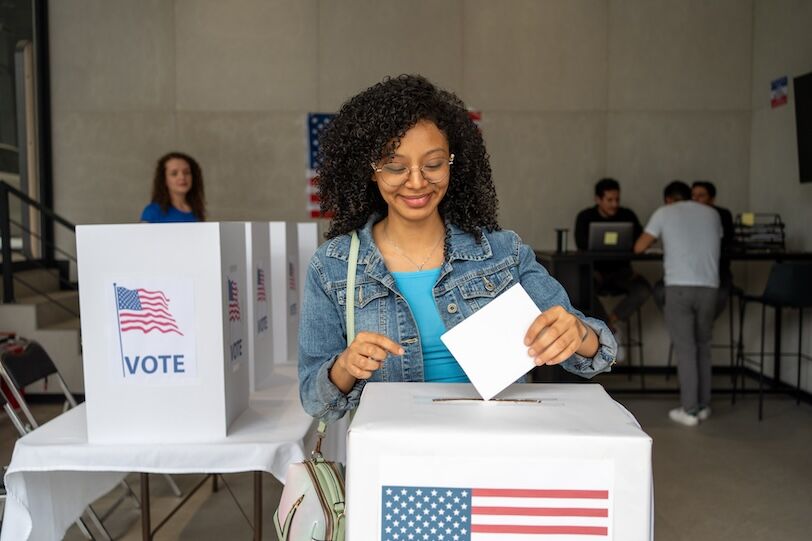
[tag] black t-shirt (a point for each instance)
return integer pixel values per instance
(591, 214)
(727, 240)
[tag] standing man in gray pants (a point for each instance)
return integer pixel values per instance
(691, 234)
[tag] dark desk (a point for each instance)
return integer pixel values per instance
(574, 270)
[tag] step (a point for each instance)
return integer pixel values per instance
(47, 309)
(73, 324)
(28, 283)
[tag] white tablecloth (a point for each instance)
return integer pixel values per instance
(55, 473)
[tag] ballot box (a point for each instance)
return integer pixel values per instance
(258, 304)
(563, 462)
(284, 291)
(163, 330)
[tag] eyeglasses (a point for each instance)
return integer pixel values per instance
(395, 174)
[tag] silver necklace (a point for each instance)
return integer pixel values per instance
(404, 254)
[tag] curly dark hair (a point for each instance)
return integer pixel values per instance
(369, 127)
(196, 196)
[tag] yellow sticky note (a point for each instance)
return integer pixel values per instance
(610, 238)
(748, 218)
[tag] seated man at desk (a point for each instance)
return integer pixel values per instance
(612, 277)
(691, 234)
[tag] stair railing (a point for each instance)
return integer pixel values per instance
(8, 266)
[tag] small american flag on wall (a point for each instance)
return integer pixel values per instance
(316, 122)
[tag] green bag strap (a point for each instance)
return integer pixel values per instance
(350, 300)
(352, 265)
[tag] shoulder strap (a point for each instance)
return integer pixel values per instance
(350, 298)
(352, 265)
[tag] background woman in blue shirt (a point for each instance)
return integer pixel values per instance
(404, 166)
(177, 191)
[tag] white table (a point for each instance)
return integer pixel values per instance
(55, 473)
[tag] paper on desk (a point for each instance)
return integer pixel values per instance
(489, 345)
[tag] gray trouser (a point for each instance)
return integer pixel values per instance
(722, 295)
(689, 315)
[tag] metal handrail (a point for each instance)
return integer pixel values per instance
(5, 232)
(6, 187)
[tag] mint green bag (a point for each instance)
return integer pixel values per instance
(312, 504)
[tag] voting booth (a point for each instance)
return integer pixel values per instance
(563, 461)
(284, 291)
(164, 332)
(308, 242)
(258, 266)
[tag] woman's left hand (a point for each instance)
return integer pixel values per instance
(554, 336)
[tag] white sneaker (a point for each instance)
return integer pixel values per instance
(679, 415)
(703, 413)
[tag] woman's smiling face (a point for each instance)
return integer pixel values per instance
(423, 153)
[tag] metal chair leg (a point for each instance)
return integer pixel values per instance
(761, 366)
(629, 344)
(739, 352)
(84, 529)
(640, 349)
(730, 329)
(172, 485)
(668, 364)
(800, 344)
(94, 518)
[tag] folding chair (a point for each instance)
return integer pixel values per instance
(18, 425)
(32, 364)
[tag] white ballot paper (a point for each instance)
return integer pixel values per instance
(489, 345)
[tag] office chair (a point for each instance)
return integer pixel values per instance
(788, 286)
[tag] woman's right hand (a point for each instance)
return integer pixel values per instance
(362, 358)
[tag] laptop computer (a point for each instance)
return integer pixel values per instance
(611, 237)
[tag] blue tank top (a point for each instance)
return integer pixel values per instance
(438, 363)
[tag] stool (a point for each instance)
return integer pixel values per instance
(630, 342)
(788, 286)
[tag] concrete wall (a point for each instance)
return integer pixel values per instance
(782, 45)
(570, 90)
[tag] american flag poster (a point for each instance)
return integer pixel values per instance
(316, 122)
(778, 92)
(237, 344)
(154, 331)
(488, 500)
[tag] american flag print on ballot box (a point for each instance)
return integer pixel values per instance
(256, 312)
(544, 462)
(152, 347)
(465, 514)
(159, 333)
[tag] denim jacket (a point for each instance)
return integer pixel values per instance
(472, 275)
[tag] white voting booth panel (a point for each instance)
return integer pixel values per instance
(258, 266)
(163, 330)
(308, 241)
(284, 291)
(563, 462)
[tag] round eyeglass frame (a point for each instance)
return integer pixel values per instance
(422, 174)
